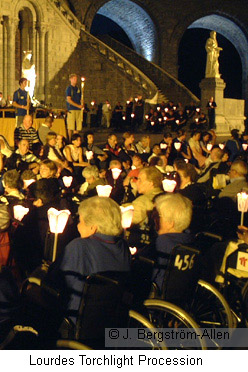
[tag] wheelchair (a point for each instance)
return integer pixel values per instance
(184, 301)
(106, 302)
(232, 280)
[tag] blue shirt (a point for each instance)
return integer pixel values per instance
(83, 257)
(20, 97)
(75, 94)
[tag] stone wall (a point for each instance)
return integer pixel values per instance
(103, 79)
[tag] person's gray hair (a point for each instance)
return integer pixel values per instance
(175, 208)
(103, 212)
(91, 171)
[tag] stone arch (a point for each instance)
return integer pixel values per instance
(228, 28)
(136, 23)
(34, 8)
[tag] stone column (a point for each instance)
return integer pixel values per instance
(214, 87)
(42, 29)
(1, 56)
(12, 27)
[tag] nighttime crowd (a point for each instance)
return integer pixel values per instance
(184, 184)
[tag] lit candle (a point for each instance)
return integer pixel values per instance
(169, 185)
(103, 190)
(222, 146)
(28, 183)
(186, 161)
(165, 118)
(177, 145)
(116, 173)
(152, 123)
(198, 110)
(123, 117)
(163, 146)
(244, 145)
(174, 108)
(92, 103)
(20, 212)
(177, 121)
(196, 120)
(67, 180)
(136, 99)
(128, 102)
(147, 117)
(127, 216)
(158, 108)
(132, 115)
(133, 250)
(57, 222)
(82, 92)
(160, 119)
(166, 109)
(209, 146)
(89, 155)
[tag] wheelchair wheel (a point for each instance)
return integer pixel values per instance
(136, 320)
(166, 315)
(244, 294)
(210, 309)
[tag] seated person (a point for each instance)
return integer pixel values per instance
(22, 157)
(92, 179)
(12, 184)
(100, 248)
(149, 184)
(48, 169)
(53, 153)
(132, 176)
(238, 180)
(99, 156)
(175, 212)
(118, 190)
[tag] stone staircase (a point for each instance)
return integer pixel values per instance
(167, 84)
(156, 84)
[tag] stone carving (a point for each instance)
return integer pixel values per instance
(213, 52)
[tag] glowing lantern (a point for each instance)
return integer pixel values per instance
(103, 190)
(169, 185)
(127, 216)
(116, 172)
(20, 212)
(67, 180)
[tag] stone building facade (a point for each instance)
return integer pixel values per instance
(56, 32)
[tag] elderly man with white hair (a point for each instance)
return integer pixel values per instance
(100, 248)
(92, 179)
(175, 213)
(238, 180)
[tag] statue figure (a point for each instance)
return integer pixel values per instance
(213, 52)
(28, 72)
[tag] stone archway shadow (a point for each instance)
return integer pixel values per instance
(234, 34)
(136, 23)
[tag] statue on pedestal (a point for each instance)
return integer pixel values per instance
(213, 52)
(28, 72)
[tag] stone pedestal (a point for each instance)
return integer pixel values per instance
(229, 113)
(214, 87)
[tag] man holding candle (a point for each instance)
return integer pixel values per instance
(74, 106)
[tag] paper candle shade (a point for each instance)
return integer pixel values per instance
(103, 190)
(20, 212)
(67, 180)
(127, 216)
(169, 185)
(57, 219)
(116, 172)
